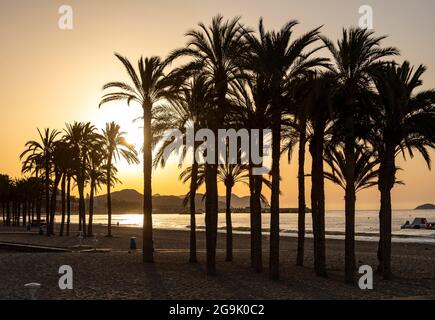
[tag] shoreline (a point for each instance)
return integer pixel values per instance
(114, 273)
(288, 229)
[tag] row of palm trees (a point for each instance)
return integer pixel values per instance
(348, 103)
(356, 110)
(20, 200)
(81, 156)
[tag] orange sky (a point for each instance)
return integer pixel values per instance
(50, 76)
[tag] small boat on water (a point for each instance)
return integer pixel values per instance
(419, 223)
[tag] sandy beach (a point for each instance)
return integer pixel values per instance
(118, 274)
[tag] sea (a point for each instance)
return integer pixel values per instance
(367, 224)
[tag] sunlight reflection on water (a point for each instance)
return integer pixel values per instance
(367, 223)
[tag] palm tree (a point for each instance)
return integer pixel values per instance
(5, 190)
(405, 121)
(43, 150)
(296, 131)
(97, 174)
(81, 138)
(249, 100)
(116, 147)
(229, 175)
(216, 51)
(281, 60)
(68, 166)
(149, 88)
(185, 112)
(366, 167)
(354, 56)
(59, 158)
(34, 165)
(318, 113)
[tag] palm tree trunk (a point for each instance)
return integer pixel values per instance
(68, 204)
(318, 200)
(109, 196)
(82, 206)
(3, 212)
(301, 192)
(255, 183)
(211, 216)
(349, 150)
(193, 187)
(8, 213)
(24, 211)
(33, 209)
(274, 203)
(229, 256)
(148, 246)
(38, 208)
(91, 209)
(47, 191)
(386, 183)
(50, 228)
(62, 223)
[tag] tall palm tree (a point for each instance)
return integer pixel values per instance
(405, 121)
(186, 112)
(296, 130)
(43, 148)
(59, 156)
(318, 113)
(354, 56)
(116, 147)
(96, 173)
(81, 138)
(216, 51)
(281, 59)
(229, 175)
(249, 100)
(5, 190)
(149, 87)
(68, 166)
(34, 165)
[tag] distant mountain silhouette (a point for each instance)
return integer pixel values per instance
(129, 199)
(427, 206)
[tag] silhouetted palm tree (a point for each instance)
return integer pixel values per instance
(366, 167)
(249, 100)
(229, 175)
(59, 159)
(216, 51)
(116, 147)
(149, 87)
(281, 59)
(44, 149)
(318, 112)
(5, 193)
(296, 130)
(81, 138)
(354, 55)
(405, 121)
(34, 165)
(186, 111)
(96, 174)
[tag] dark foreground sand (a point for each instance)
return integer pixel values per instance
(121, 275)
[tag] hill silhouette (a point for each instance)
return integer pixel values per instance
(132, 200)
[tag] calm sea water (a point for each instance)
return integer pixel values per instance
(367, 223)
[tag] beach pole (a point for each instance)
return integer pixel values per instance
(33, 290)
